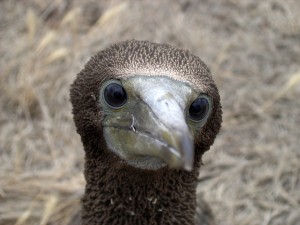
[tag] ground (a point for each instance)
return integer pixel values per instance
(252, 173)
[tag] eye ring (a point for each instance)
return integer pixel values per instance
(114, 94)
(199, 108)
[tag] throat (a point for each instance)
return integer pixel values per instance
(127, 195)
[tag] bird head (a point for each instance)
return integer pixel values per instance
(149, 105)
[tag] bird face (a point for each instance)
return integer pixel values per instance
(151, 121)
(150, 104)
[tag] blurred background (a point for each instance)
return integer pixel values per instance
(252, 173)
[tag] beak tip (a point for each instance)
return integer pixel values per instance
(187, 144)
(188, 168)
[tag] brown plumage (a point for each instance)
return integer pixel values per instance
(117, 193)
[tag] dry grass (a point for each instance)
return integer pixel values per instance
(252, 173)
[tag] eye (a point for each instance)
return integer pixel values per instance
(115, 95)
(199, 109)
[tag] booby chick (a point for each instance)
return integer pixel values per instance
(146, 113)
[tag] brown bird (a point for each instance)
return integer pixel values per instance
(146, 113)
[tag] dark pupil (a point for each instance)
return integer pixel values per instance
(115, 95)
(199, 109)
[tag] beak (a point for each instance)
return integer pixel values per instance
(151, 130)
(178, 151)
(144, 132)
(165, 122)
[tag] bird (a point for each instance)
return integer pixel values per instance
(146, 113)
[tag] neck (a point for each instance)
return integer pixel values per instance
(121, 194)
